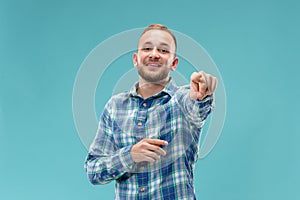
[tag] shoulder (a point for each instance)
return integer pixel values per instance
(120, 96)
(118, 99)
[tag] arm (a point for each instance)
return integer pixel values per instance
(196, 111)
(105, 162)
(198, 103)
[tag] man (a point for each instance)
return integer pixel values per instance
(148, 138)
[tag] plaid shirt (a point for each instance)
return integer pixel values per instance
(128, 118)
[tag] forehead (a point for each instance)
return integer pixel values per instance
(157, 37)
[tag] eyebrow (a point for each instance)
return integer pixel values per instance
(162, 44)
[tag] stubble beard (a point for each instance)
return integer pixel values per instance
(158, 76)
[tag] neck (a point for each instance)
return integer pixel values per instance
(148, 89)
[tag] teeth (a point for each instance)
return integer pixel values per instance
(154, 65)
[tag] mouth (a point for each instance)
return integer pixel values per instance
(153, 64)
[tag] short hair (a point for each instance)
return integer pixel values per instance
(160, 27)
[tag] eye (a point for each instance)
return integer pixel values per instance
(147, 49)
(163, 51)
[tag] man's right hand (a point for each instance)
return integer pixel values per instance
(148, 150)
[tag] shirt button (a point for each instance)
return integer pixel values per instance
(140, 124)
(142, 189)
(144, 104)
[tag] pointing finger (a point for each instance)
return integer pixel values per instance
(157, 142)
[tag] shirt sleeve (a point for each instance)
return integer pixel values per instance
(196, 111)
(104, 162)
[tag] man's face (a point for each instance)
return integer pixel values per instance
(156, 56)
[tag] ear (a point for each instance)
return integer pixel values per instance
(135, 59)
(174, 63)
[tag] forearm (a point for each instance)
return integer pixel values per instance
(102, 168)
(196, 111)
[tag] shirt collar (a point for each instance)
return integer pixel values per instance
(170, 89)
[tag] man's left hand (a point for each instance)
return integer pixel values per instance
(202, 85)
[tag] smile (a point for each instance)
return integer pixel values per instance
(153, 64)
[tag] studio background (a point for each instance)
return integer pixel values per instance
(255, 45)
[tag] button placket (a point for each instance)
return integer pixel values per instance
(141, 118)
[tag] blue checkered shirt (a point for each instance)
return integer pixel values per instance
(128, 118)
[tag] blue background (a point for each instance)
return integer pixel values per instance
(255, 45)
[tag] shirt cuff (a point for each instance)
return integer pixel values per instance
(198, 110)
(199, 104)
(126, 160)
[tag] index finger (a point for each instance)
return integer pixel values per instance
(157, 142)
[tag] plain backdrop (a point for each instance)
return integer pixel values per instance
(255, 45)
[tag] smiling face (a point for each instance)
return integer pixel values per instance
(156, 56)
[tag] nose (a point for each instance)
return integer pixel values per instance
(154, 53)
